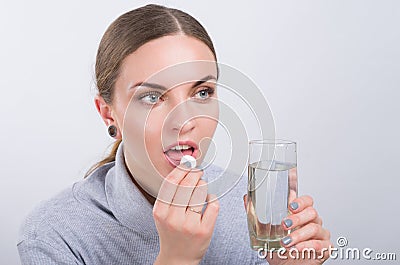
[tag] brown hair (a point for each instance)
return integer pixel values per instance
(126, 34)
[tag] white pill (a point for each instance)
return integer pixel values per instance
(189, 161)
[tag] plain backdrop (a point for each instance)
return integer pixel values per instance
(330, 71)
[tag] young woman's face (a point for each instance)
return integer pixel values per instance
(162, 103)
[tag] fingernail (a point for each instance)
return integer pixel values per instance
(288, 223)
(294, 205)
(286, 240)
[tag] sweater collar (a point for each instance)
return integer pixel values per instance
(129, 205)
(125, 200)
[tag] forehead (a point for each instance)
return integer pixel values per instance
(169, 61)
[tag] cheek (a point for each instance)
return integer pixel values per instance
(207, 126)
(206, 129)
(152, 132)
(133, 136)
(134, 126)
(153, 144)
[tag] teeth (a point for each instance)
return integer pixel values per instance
(180, 147)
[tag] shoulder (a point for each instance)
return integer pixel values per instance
(43, 233)
(66, 211)
(40, 237)
(42, 217)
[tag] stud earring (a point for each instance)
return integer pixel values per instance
(112, 131)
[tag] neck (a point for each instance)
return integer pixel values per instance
(148, 197)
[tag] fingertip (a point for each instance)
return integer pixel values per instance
(294, 206)
(301, 203)
(287, 223)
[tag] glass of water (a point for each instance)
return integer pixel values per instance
(272, 186)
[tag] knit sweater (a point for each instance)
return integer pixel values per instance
(105, 219)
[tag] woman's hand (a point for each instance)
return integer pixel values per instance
(185, 232)
(307, 232)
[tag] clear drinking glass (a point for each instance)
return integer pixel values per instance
(272, 185)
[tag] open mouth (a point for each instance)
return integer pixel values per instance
(175, 152)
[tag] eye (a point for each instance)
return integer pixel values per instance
(150, 98)
(205, 93)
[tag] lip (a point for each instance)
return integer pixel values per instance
(175, 163)
(188, 142)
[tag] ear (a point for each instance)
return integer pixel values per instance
(106, 114)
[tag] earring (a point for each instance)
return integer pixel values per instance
(112, 131)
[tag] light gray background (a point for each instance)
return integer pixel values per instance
(330, 71)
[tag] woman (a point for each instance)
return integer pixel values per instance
(138, 206)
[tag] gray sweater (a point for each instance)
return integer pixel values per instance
(104, 219)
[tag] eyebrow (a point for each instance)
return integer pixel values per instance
(160, 87)
(203, 80)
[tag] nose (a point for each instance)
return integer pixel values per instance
(182, 118)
